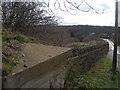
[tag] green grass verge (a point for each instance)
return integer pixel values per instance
(100, 76)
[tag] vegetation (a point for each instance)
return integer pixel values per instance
(24, 14)
(11, 49)
(100, 76)
(85, 33)
(61, 35)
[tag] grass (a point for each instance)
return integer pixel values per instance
(20, 38)
(11, 47)
(100, 76)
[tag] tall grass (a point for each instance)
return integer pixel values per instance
(100, 76)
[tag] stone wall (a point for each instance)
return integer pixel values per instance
(39, 75)
(54, 73)
(82, 63)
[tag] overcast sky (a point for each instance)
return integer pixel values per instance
(90, 18)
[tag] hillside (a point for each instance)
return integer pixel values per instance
(83, 32)
(62, 35)
(49, 35)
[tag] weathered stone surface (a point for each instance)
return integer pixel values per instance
(37, 64)
(34, 54)
(55, 71)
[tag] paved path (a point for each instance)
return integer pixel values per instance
(111, 48)
(110, 53)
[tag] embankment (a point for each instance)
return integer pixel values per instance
(56, 71)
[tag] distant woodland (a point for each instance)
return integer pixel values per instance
(61, 35)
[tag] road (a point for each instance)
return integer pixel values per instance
(111, 48)
(110, 53)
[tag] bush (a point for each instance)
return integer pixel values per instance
(22, 39)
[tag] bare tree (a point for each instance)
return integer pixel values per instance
(17, 14)
(72, 5)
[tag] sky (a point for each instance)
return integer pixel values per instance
(107, 18)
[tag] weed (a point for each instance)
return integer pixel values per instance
(100, 76)
(11, 44)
